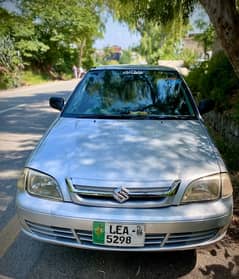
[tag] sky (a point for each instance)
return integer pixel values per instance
(117, 34)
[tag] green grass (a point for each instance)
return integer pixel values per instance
(31, 78)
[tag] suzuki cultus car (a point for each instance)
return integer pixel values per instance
(128, 165)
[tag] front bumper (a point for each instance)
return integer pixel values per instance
(169, 228)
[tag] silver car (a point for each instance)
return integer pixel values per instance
(128, 165)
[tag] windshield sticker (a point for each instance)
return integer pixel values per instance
(133, 72)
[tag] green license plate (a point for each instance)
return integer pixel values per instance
(121, 235)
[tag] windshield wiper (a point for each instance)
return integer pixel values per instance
(133, 116)
(154, 105)
(102, 116)
(173, 117)
(140, 113)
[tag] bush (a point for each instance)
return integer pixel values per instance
(9, 80)
(229, 151)
(189, 57)
(214, 79)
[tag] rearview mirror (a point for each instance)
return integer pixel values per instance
(206, 106)
(57, 103)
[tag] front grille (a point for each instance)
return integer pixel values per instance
(150, 239)
(153, 241)
(51, 232)
(161, 240)
(180, 239)
(85, 237)
(138, 197)
(134, 192)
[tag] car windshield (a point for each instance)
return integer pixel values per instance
(130, 94)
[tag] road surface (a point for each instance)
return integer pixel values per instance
(24, 117)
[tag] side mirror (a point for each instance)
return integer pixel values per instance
(57, 103)
(206, 106)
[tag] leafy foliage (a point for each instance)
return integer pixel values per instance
(189, 57)
(160, 42)
(162, 24)
(9, 57)
(125, 57)
(207, 35)
(24, 38)
(63, 26)
(229, 151)
(215, 79)
(10, 63)
(224, 16)
(51, 37)
(135, 12)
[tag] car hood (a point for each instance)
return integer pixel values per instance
(142, 151)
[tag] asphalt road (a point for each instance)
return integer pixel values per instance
(24, 117)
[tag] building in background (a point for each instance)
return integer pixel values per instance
(115, 53)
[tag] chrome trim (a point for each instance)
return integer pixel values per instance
(139, 197)
(159, 241)
(50, 232)
(165, 239)
(147, 249)
(133, 191)
(173, 219)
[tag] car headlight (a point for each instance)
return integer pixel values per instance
(227, 189)
(208, 188)
(39, 184)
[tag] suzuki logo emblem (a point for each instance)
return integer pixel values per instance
(121, 194)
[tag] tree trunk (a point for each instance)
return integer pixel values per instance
(81, 50)
(225, 19)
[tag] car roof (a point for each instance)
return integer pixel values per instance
(134, 67)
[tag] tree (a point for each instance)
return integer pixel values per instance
(23, 39)
(160, 42)
(225, 19)
(125, 57)
(65, 27)
(10, 63)
(223, 14)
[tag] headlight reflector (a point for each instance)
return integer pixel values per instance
(226, 185)
(21, 183)
(203, 189)
(42, 185)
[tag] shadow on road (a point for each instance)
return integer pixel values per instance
(20, 130)
(92, 264)
(62, 262)
(36, 260)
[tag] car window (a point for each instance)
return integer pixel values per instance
(130, 93)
